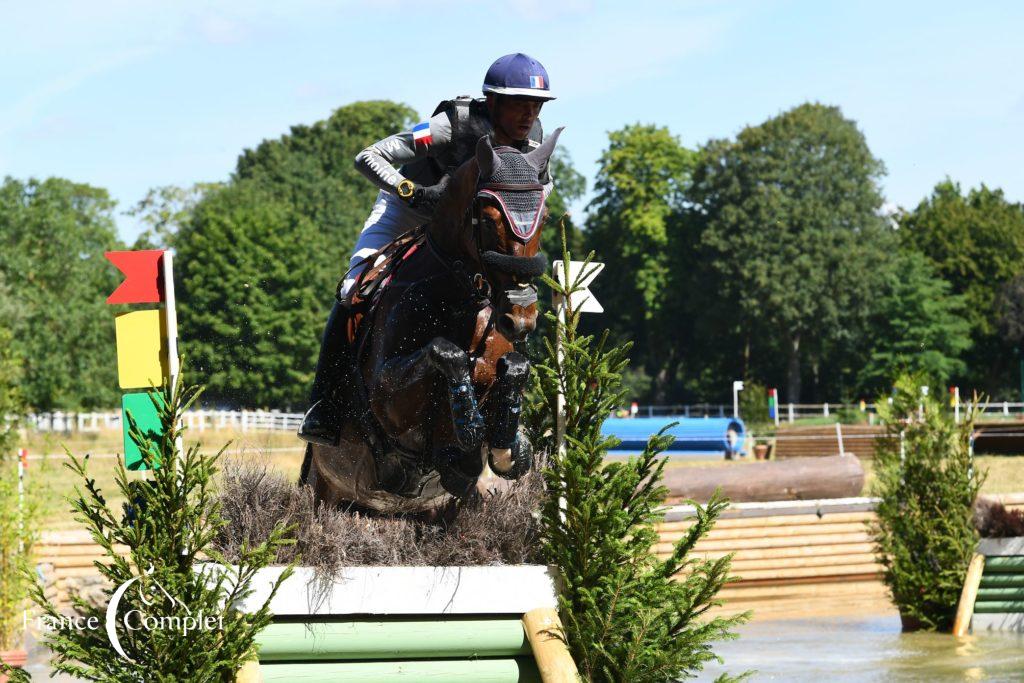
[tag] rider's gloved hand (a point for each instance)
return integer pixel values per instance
(423, 198)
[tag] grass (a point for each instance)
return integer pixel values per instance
(50, 479)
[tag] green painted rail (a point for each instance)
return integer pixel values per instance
(998, 606)
(1000, 594)
(511, 670)
(399, 639)
(1002, 581)
(1004, 564)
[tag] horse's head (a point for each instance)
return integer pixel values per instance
(503, 200)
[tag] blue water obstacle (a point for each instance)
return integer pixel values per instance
(709, 435)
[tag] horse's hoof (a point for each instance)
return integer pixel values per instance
(519, 462)
(454, 479)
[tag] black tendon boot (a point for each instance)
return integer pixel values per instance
(322, 423)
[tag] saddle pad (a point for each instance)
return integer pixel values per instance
(375, 277)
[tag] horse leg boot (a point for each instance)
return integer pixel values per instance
(509, 452)
(453, 364)
(322, 422)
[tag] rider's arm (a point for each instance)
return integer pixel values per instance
(380, 161)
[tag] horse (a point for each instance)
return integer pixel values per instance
(437, 385)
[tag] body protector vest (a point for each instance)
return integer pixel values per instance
(470, 121)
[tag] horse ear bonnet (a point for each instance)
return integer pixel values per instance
(522, 208)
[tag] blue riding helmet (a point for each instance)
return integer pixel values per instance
(518, 75)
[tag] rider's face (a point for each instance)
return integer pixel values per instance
(513, 117)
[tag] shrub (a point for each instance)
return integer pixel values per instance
(167, 525)
(993, 520)
(627, 615)
(927, 484)
(496, 529)
(17, 520)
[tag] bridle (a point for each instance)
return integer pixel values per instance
(520, 267)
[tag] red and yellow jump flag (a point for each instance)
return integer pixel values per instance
(147, 344)
(142, 282)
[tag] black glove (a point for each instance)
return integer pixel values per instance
(424, 198)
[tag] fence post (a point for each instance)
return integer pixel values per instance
(825, 408)
(790, 413)
(1006, 408)
(245, 420)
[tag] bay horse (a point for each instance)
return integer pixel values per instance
(437, 386)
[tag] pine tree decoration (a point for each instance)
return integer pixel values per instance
(927, 484)
(627, 615)
(176, 620)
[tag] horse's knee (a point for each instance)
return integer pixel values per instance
(449, 359)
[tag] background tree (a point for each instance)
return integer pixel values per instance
(917, 327)
(976, 243)
(164, 210)
(52, 237)
(639, 186)
(788, 231)
(569, 185)
(260, 257)
(254, 275)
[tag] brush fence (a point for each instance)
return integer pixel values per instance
(993, 593)
(482, 624)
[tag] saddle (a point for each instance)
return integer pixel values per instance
(375, 277)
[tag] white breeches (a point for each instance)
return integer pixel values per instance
(389, 218)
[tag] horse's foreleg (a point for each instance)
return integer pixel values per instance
(510, 455)
(442, 359)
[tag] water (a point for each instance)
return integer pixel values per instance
(866, 649)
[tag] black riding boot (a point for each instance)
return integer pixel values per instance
(322, 423)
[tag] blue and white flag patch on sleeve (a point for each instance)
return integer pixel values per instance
(421, 134)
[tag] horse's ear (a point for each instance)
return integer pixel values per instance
(539, 157)
(486, 160)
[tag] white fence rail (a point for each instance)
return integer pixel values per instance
(276, 420)
(195, 420)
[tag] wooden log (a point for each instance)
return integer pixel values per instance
(1011, 564)
(771, 532)
(997, 594)
(839, 476)
(797, 573)
(803, 590)
(737, 545)
(544, 630)
(517, 670)
(797, 551)
(740, 566)
(1002, 581)
(404, 639)
(965, 608)
(998, 607)
(772, 520)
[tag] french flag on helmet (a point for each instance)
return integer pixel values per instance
(518, 75)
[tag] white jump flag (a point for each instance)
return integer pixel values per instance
(583, 300)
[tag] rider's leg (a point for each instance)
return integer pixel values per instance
(322, 422)
(323, 419)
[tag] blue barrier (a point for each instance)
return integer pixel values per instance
(725, 435)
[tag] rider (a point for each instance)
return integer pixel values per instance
(515, 88)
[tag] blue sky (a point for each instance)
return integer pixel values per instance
(132, 95)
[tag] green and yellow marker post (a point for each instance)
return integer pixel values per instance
(147, 340)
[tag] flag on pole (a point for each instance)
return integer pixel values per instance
(142, 282)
